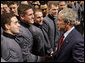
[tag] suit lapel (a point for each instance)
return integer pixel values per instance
(66, 41)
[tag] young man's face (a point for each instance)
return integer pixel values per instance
(13, 8)
(44, 9)
(6, 8)
(62, 5)
(29, 16)
(14, 26)
(53, 10)
(39, 18)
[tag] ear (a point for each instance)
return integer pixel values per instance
(7, 26)
(49, 9)
(22, 16)
(68, 23)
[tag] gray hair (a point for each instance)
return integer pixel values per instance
(69, 15)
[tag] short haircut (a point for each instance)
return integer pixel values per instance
(3, 2)
(53, 3)
(43, 2)
(37, 10)
(22, 8)
(12, 3)
(62, 1)
(6, 19)
(69, 15)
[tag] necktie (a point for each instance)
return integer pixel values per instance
(61, 41)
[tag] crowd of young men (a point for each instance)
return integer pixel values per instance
(31, 31)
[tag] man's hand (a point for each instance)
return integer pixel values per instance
(47, 58)
(77, 23)
(51, 52)
(55, 49)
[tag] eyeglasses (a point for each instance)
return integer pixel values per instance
(36, 4)
(44, 9)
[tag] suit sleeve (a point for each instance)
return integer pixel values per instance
(78, 51)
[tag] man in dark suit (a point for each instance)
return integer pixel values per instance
(50, 26)
(10, 49)
(72, 47)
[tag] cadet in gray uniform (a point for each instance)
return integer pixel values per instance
(10, 50)
(38, 23)
(25, 38)
(50, 25)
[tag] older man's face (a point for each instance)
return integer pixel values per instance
(60, 23)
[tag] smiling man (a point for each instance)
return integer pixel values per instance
(10, 49)
(71, 45)
(50, 25)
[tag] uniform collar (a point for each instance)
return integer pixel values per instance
(9, 35)
(51, 17)
(40, 26)
(24, 24)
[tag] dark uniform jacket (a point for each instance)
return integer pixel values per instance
(25, 41)
(38, 41)
(10, 49)
(45, 39)
(50, 26)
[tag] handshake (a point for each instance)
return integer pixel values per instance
(49, 58)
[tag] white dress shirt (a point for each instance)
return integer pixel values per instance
(66, 33)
